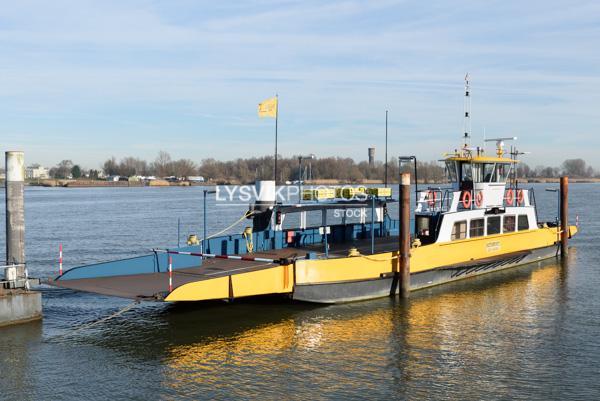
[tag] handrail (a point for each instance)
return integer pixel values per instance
(531, 194)
(443, 199)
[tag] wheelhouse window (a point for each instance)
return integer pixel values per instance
(477, 227)
(465, 176)
(488, 172)
(459, 230)
(493, 225)
(509, 224)
(451, 169)
(466, 172)
(523, 222)
(501, 173)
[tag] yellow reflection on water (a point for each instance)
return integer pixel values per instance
(447, 329)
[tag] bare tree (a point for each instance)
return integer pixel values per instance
(183, 168)
(162, 164)
(574, 167)
(111, 167)
(62, 169)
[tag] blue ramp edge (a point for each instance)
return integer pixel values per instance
(230, 244)
(147, 264)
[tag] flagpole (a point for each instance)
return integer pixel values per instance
(386, 146)
(276, 117)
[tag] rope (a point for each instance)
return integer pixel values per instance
(229, 227)
(88, 325)
(378, 260)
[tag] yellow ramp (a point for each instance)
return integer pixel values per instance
(274, 280)
(216, 288)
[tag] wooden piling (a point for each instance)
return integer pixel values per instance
(564, 215)
(405, 235)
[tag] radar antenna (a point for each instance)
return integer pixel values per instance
(500, 143)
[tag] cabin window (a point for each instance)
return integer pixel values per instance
(476, 229)
(451, 168)
(523, 222)
(509, 224)
(466, 173)
(493, 225)
(459, 230)
(488, 172)
(502, 170)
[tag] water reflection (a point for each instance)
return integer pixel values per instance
(14, 340)
(482, 331)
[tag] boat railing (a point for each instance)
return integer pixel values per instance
(434, 200)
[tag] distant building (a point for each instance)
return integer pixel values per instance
(36, 172)
(371, 156)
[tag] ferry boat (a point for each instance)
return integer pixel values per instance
(481, 223)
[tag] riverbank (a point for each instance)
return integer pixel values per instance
(57, 183)
(110, 184)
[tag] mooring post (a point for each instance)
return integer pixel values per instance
(372, 224)
(564, 215)
(18, 304)
(170, 274)
(324, 221)
(15, 215)
(60, 260)
(203, 246)
(405, 235)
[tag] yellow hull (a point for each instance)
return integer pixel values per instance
(282, 279)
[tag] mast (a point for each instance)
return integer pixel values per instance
(386, 146)
(467, 120)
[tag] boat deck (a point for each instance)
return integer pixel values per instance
(156, 285)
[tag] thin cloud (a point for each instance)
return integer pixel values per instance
(134, 73)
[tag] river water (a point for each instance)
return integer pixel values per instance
(528, 333)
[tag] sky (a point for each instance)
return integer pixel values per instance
(86, 80)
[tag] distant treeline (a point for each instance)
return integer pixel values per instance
(576, 168)
(259, 168)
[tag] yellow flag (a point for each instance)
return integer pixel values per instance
(268, 108)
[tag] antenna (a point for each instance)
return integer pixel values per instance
(484, 139)
(467, 121)
(514, 154)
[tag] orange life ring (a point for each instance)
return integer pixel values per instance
(431, 198)
(520, 197)
(479, 198)
(510, 197)
(466, 199)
